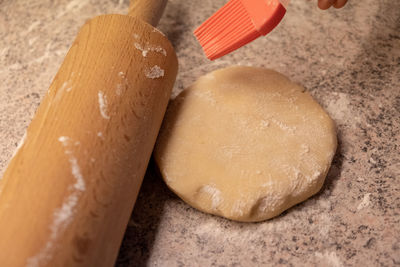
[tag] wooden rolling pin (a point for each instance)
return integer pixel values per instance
(67, 194)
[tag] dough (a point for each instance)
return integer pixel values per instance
(245, 143)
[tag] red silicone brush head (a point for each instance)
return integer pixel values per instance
(237, 23)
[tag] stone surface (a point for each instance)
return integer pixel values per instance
(348, 59)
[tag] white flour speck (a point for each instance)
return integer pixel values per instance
(121, 86)
(150, 48)
(214, 193)
(63, 140)
(314, 176)
(365, 202)
(157, 30)
(270, 183)
(103, 105)
(158, 49)
(283, 126)
(64, 85)
(60, 91)
(238, 207)
(144, 51)
(155, 72)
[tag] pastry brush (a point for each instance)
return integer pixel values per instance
(237, 23)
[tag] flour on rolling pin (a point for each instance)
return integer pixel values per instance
(157, 30)
(63, 216)
(121, 87)
(155, 72)
(65, 87)
(103, 105)
(149, 48)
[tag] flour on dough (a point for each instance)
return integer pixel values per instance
(245, 144)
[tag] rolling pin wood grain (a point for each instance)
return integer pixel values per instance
(67, 194)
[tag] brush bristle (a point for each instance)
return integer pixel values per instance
(228, 29)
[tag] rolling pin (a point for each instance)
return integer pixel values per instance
(68, 192)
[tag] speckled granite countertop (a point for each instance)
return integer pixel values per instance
(350, 62)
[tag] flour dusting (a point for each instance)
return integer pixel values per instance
(157, 30)
(61, 219)
(121, 86)
(64, 85)
(155, 72)
(60, 91)
(214, 193)
(158, 49)
(150, 48)
(103, 105)
(314, 176)
(76, 172)
(329, 257)
(63, 140)
(270, 202)
(238, 207)
(62, 216)
(339, 108)
(283, 126)
(75, 169)
(365, 202)
(144, 51)
(304, 149)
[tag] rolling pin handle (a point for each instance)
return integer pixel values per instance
(149, 11)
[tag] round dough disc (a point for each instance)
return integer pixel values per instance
(245, 143)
